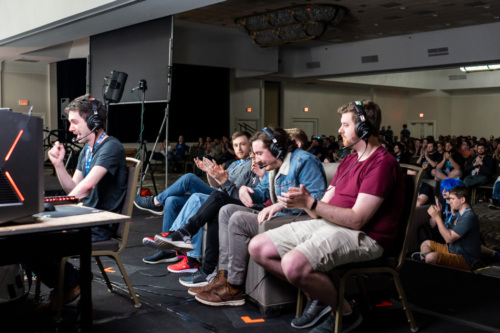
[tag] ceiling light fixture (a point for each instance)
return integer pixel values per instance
(292, 24)
(481, 68)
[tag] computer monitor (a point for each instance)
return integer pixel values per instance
(21, 165)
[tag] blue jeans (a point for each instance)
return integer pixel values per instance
(496, 189)
(190, 208)
(176, 195)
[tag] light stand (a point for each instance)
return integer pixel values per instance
(142, 143)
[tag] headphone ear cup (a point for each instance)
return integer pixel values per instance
(93, 122)
(275, 149)
(362, 129)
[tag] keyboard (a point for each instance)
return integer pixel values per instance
(60, 199)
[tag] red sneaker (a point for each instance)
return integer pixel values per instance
(186, 265)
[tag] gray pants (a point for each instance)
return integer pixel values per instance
(237, 225)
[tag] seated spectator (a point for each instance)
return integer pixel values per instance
(451, 165)
(315, 147)
(418, 147)
(400, 153)
(170, 202)
(495, 198)
(228, 155)
(276, 153)
(480, 168)
(440, 147)
(465, 150)
(355, 221)
(462, 246)
(425, 194)
(217, 150)
(180, 153)
(429, 159)
(299, 136)
(431, 232)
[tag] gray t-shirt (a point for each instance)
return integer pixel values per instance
(110, 192)
(469, 245)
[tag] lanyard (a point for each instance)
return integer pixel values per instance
(89, 155)
(236, 165)
(448, 222)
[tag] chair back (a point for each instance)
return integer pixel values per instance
(412, 183)
(330, 170)
(134, 169)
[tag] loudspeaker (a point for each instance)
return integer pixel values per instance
(93, 121)
(275, 148)
(114, 90)
(363, 127)
(64, 103)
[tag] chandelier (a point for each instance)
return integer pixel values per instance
(292, 24)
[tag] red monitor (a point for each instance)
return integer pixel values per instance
(21, 165)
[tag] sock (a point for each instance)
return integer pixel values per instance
(192, 260)
(236, 286)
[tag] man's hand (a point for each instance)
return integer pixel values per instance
(446, 156)
(218, 173)
(244, 195)
(257, 170)
(199, 163)
(268, 213)
(296, 197)
(434, 211)
(56, 154)
(438, 204)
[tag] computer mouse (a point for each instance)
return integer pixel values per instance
(48, 207)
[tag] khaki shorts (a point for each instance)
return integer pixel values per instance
(325, 244)
(447, 259)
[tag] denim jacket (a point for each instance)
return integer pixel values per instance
(299, 167)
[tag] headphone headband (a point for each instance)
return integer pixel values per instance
(363, 127)
(94, 121)
(275, 148)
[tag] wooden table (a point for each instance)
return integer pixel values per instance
(45, 235)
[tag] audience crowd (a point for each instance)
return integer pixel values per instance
(280, 173)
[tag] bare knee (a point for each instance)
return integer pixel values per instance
(295, 267)
(431, 258)
(255, 247)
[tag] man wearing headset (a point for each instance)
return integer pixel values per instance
(286, 166)
(100, 181)
(355, 221)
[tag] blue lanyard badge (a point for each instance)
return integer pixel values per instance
(236, 164)
(89, 155)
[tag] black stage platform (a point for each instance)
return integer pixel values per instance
(443, 300)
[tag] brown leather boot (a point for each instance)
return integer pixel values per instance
(225, 295)
(217, 282)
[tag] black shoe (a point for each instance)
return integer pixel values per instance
(179, 240)
(147, 204)
(349, 323)
(416, 256)
(161, 256)
(314, 311)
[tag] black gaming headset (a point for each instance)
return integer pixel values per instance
(93, 121)
(363, 126)
(275, 148)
